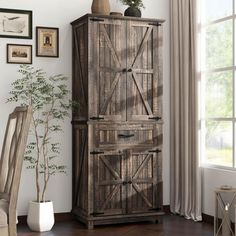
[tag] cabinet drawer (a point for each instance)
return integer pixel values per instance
(127, 135)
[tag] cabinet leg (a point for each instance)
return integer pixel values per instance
(159, 220)
(90, 225)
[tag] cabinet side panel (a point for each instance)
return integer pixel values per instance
(158, 70)
(158, 137)
(80, 70)
(80, 169)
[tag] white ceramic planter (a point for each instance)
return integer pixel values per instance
(40, 216)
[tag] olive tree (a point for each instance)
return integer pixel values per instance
(49, 99)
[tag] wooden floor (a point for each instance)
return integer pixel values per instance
(171, 226)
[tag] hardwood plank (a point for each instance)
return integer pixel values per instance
(141, 166)
(110, 197)
(142, 46)
(172, 226)
(111, 47)
(109, 94)
(142, 94)
(108, 166)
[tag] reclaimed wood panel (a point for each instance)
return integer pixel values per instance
(80, 168)
(127, 135)
(143, 78)
(109, 172)
(80, 70)
(107, 61)
(144, 178)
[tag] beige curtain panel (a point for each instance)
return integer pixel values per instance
(185, 170)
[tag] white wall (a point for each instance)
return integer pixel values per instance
(59, 13)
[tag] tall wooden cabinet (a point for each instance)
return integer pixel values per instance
(117, 130)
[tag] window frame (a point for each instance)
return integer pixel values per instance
(203, 73)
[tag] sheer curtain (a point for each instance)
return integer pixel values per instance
(185, 170)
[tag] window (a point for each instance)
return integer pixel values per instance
(218, 86)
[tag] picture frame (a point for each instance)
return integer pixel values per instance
(47, 41)
(19, 53)
(15, 23)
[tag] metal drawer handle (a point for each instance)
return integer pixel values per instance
(155, 118)
(96, 118)
(125, 135)
(96, 153)
(96, 19)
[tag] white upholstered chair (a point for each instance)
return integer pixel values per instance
(12, 155)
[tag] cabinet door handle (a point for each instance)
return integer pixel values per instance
(155, 118)
(96, 118)
(130, 70)
(124, 70)
(96, 19)
(130, 182)
(125, 135)
(96, 153)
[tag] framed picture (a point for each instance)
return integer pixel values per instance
(15, 23)
(19, 53)
(47, 42)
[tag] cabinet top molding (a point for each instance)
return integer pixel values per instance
(157, 21)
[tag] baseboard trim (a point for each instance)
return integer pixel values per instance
(208, 219)
(59, 217)
(166, 209)
(205, 218)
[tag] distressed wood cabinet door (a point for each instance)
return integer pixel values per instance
(80, 166)
(127, 182)
(107, 60)
(144, 173)
(144, 83)
(109, 191)
(125, 70)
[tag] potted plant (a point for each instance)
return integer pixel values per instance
(134, 7)
(49, 98)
